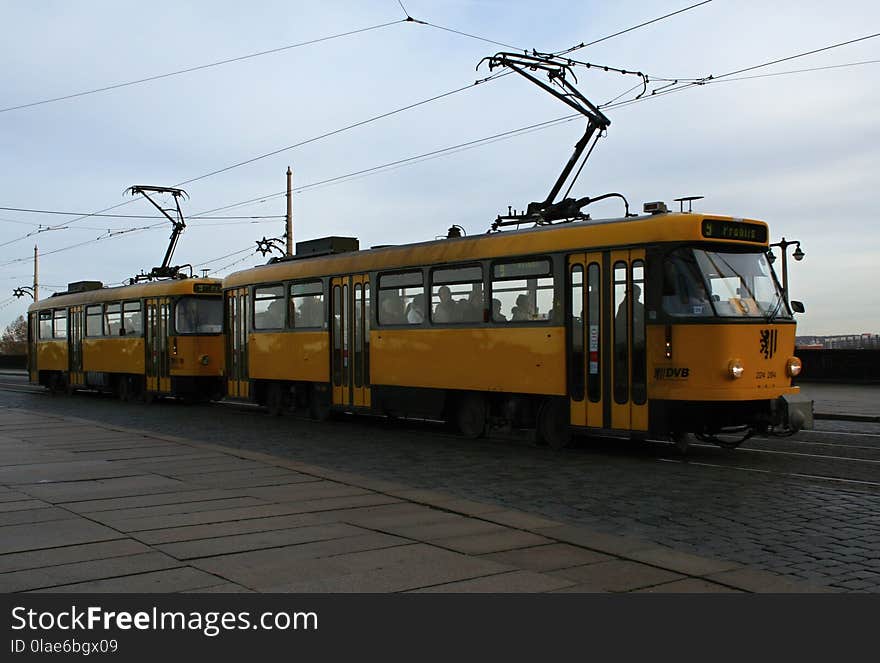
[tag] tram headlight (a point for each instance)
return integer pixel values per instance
(793, 367)
(735, 369)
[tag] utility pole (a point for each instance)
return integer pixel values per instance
(36, 274)
(289, 212)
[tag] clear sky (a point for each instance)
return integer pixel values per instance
(800, 151)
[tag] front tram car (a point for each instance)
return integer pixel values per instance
(162, 338)
(661, 325)
(720, 336)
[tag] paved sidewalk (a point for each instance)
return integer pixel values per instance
(86, 507)
(849, 402)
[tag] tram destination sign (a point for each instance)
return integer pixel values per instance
(207, 287)
(738, 230)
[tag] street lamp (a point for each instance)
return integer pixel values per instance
(797, 255)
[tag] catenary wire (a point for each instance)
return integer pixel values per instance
(635, 27)
(610, 105)
(399, 110)
(200, 67)
(721, 77)
(126, 216)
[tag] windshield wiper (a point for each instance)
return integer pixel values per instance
(772, 315)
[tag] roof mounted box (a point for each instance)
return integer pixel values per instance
(655, 207)
(84, 286)
(327, 246)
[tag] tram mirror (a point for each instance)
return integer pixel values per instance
(796, 306)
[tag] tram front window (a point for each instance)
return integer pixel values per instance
(199, 315)
(698, 283)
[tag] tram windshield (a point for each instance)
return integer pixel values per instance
(702, 283)
(199, 315)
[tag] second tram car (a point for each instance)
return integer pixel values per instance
(660, 325)
(162, 338)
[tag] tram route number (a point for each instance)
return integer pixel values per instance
(765, 375)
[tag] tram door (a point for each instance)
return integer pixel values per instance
(74, 348)
(238, 316)
(350, 340)
(606, 345)
(586, 356)
(33, 329)
(628, 376)
(158, 316)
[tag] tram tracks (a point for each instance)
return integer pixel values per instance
(759, 470)
(20, 386)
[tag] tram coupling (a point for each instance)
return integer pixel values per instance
(795, 414)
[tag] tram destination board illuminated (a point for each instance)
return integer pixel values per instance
(213, 288)
(738, 230)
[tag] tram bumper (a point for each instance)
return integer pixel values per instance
(796, 412)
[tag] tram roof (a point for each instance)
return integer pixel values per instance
(575, 236)
(126, 292)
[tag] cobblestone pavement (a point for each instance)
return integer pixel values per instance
(807, 507)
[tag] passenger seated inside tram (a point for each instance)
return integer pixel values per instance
(391, 309)
(415, 310)
(497, 315)
(133, 323)
(310, 313)
(445, 311)
(271, 318)
(473, 309)
(522, 310)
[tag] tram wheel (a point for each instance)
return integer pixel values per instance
(552, 427)
(681, 440)
(55, 384)
(276, 399)
(319, 404)
(471, 416)
(123, 389)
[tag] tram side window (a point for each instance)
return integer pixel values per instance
(401, 298)
(60, 323)
(269, 307)
(131, 318)
(457, 295)
(307, 305)
(202, 315)
(113, 319)
(94, 320)
(45, 325)
(522, 292)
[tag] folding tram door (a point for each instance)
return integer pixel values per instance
(350, 340)
(33, 329)
(606, 340)
(156, 332)
(238, 326)
(74, 346)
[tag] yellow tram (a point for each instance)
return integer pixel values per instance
(657, 325)
(162, 338)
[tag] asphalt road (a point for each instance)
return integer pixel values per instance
(807, 506)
